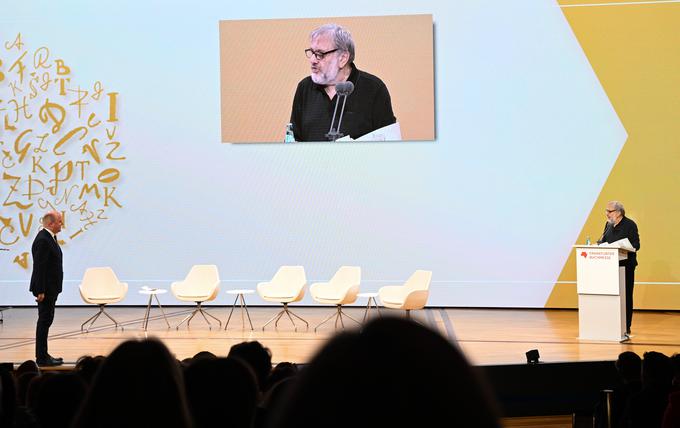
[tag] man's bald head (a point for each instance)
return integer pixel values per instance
(53, 221)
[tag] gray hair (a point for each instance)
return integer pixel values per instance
(341, 37)
(618, 206)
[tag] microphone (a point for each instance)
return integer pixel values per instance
(342, 89)
(606, 228)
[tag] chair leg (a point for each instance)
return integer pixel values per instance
(187, 319)
(276, 323)
(337, 320)
(204, 313)
(275, 317)
(199, 310)
(205, 318)
(285, 307)
(342, 323)
(344, 314)
(110, 317)
(334, 314)
(291, 320)
(287, 312)
(338, 314)
(91, 321)
(423, 323)
(95, 317)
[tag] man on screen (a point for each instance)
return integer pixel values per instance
(618, 227)
(331, 58)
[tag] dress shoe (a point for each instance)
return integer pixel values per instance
(49, 362)
(61, 360)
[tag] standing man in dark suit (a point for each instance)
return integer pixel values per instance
(46, 281)
(618, 227)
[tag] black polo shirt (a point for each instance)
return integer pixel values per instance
(368, 108)
(625, 229)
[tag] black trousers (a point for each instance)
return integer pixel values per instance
(42, 328)
(630, 282)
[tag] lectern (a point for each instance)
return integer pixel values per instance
(601, 287)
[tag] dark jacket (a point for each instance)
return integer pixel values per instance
(48, 273)
(625, 229)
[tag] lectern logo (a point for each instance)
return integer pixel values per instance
(584, 255)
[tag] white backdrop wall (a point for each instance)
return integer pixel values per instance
(525, 139)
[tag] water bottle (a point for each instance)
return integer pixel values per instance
(587, 240)
(290, 137)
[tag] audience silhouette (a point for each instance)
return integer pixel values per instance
(646, 408)
(399, 372)
(138, 385)
(221, 392)
(257, 357)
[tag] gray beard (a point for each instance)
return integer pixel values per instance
(324, 79)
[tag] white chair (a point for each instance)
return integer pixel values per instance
(201, 285)
(409, 296)
(341, 290)
(288, 285)
(100, 286)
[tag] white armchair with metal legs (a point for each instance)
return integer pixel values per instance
(100, 286)
(342, 289)
(202, 284)
(287, 285)
(409, 296)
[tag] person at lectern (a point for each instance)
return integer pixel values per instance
(618, 227)
(331, 60)
(46, 282)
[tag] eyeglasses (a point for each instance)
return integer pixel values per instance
(610, 211)
(318, 54)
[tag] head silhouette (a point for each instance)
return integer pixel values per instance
(221, 390)
(407, 374)
(136, 377)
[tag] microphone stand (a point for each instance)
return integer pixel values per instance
(342, 90)
(606, 228)
(334, 134)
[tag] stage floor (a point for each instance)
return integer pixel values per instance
(486, 336)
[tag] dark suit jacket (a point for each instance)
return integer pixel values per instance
(48, 272)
